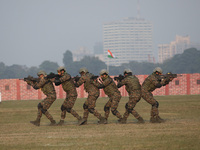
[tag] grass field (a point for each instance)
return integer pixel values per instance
(180, 131)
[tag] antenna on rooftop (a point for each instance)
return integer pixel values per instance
(138, 9)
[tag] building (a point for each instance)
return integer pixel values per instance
(81, 53)
(166, 51)
(129, 40)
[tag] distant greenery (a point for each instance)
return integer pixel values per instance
(188, 62)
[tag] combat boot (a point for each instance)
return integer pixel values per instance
(140, 120)
(36, 122)
(60, 123)
(83, 121)
(153, 120)
(102, 120)
(53, 123)
(159, 120)
(122, 121)
(80, 120)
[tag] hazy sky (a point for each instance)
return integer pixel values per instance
(32, 31)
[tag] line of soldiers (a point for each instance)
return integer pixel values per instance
(92, 84)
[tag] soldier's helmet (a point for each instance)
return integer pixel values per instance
(127, 71)
(61, 68)
(103, 71)
(158, 69)
(83, 70)
(41, 72)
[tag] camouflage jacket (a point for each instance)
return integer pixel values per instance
(68, 84)
(88, 86)
(131, 83)
(108, 85)
(46, 86)
(153, 81)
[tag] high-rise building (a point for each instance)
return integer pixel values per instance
(129, 40)
(166, 51)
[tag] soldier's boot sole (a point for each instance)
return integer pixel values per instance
(140, 120)
(36, 123)
(83, 122)
(102, 121)
(53, 123)
(60, 123)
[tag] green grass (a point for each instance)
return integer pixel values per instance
(180, 131)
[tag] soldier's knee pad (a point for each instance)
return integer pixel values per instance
(85, 106)
(114, 112)
(43, 110)
(106, 108)
(40, 106)
(91, 110)
(156, 104)
(68, 110)
(63, 108)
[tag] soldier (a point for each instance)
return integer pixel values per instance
(110, 89)
(93, 94)
(152, 82)
(48, 89)
(133, 88)
(71, 94)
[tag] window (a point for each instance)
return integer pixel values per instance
(176, 82)
(198, 81)
(7, 87)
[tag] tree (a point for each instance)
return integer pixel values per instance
(48, 66)
(68, 58)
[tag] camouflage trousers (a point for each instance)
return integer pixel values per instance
(134, 98)
(89, 107)
(44, 105)
(68, 105)
(148, 97)
(112, 104)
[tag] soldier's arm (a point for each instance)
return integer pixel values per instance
(121, 83)
(38, 85)
(80, 81)
(156, 81)
(97, 84)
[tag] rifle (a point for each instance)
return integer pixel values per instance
(52, 75)
(94, 77)
(30, 78)
(76, 78)
(169, 75)
(119, 78)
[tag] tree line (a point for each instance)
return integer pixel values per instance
(187, 62)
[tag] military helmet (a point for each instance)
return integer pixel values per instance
(127, 71)
(103, 71)
(41, 72)
(61, 68)
(83, 70)
(158, 69)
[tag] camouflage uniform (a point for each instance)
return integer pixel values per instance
(133, 88)
(114, 95)
(93, 94)
(152, 82)
(71, 96)
(48, 89)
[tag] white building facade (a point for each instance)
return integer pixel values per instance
(129, 40)
(166, 51)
